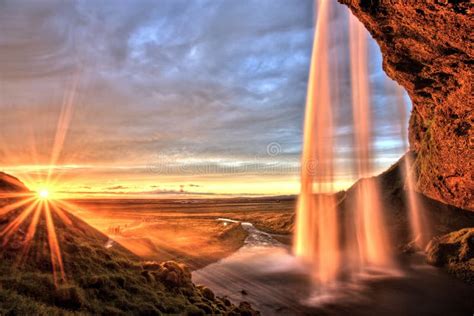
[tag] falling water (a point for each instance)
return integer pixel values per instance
(318, 230)
(418, 223)
(316, 238)
(372, 238)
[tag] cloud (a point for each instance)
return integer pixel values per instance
(117, 187)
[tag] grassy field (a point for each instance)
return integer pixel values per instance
(185, 230)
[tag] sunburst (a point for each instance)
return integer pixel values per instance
(43, 194)
(32, 210)
(28, 209)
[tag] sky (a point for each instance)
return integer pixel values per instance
(186, 97)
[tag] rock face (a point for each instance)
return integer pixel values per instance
(457, 246)
(454, 251)
(428, 48)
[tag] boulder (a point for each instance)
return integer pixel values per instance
(454, 251)
(454, 247)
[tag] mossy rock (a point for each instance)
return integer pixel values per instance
(455, 252)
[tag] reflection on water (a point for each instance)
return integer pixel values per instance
(253, 273)
(264, 273)
(256, 238)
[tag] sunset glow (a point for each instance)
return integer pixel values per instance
(43, 194)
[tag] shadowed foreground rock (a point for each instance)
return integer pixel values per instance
(455, 251)
(428, 47)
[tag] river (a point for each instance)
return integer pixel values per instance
(264, 273)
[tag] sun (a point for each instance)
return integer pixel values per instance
(47, 192)
(43, 194)
(42, 204)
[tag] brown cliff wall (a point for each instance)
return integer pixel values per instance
(428, 47)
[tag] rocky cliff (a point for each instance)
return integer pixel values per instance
(428, 48)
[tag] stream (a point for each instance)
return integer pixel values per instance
(264, 273)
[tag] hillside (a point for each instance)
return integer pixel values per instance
(100, 276)
(9, 184)
(440, 217)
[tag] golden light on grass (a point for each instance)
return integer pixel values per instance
(54, 248)
(31, 211)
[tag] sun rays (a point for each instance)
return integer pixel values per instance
(49, 192)
(55, 251)
(24, 214)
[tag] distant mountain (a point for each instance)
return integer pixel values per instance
(9, 183)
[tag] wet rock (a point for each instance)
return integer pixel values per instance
(226, 301)
(245, 309)
(410, 248)
(173, 274)
(455, 252)
(177, 267)
(207, 293)
(454, 247)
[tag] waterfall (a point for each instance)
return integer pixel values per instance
(330, 246)
(316, 219)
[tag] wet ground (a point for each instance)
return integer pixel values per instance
(264, 273)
